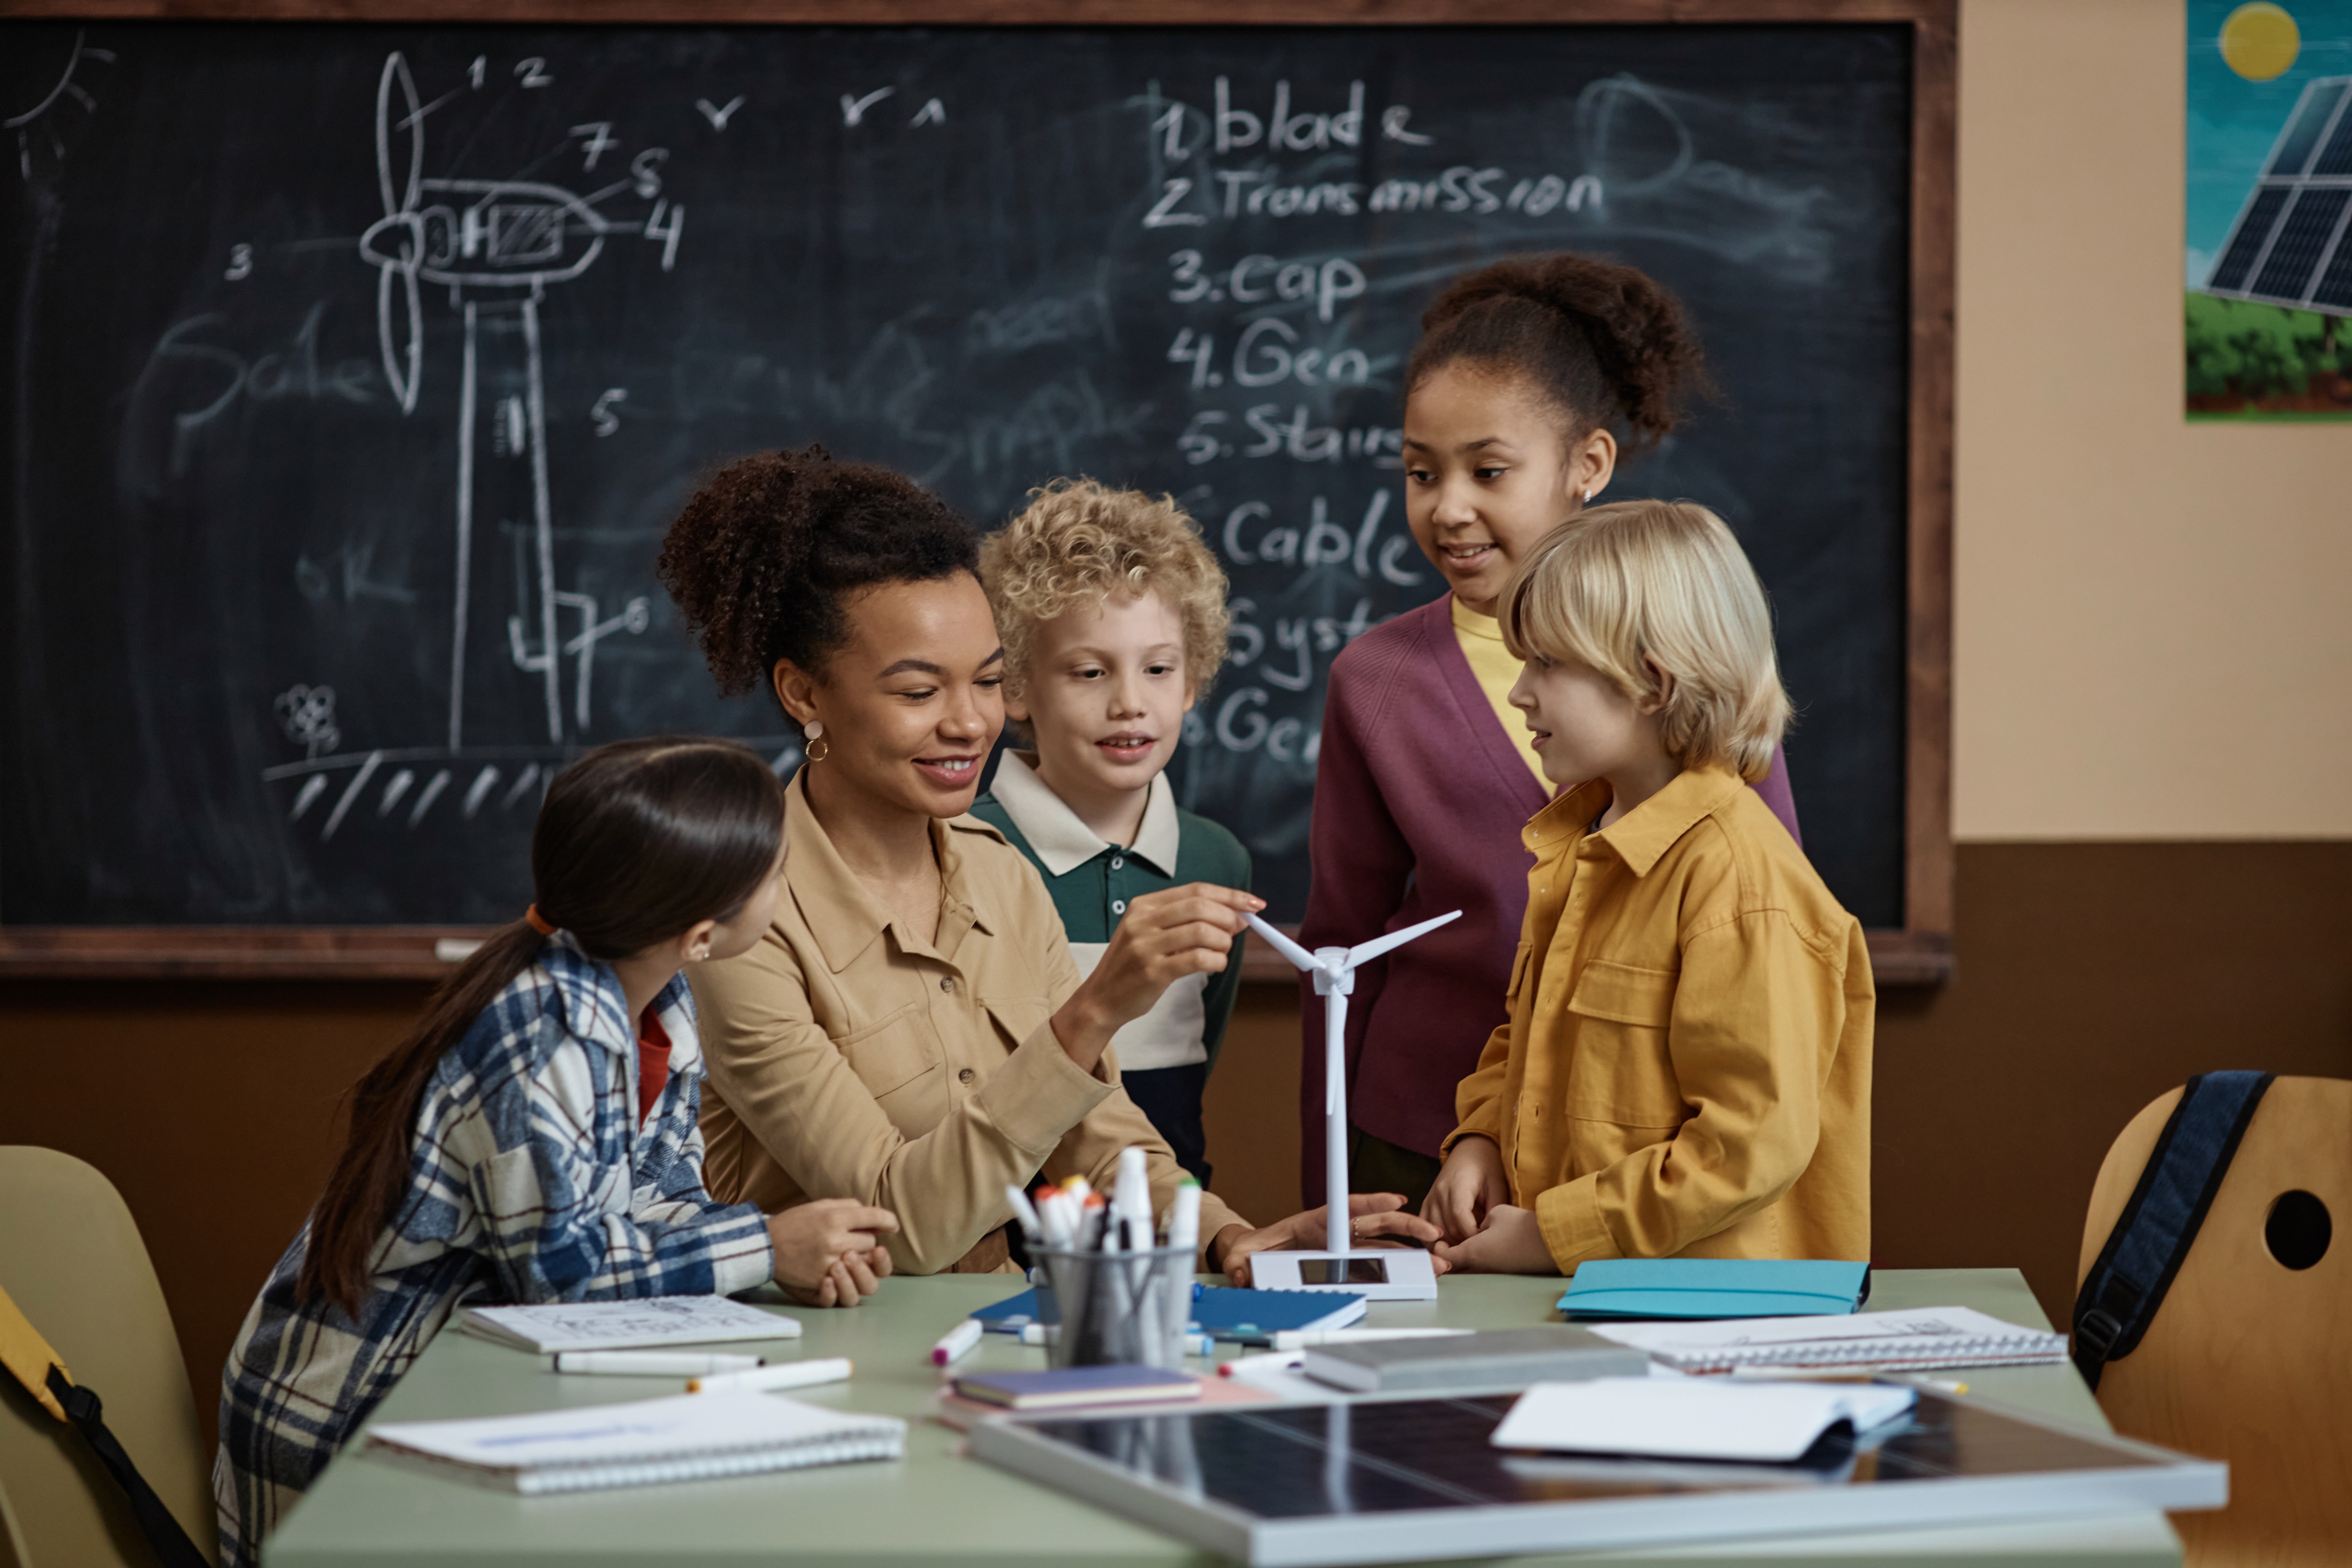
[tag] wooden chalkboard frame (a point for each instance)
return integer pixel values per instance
(1920, 952)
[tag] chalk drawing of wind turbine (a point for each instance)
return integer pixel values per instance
(496, 245)
(1383, 1274)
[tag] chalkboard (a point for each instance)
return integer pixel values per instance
(359, 369)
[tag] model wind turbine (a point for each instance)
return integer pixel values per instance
(1389, 1274)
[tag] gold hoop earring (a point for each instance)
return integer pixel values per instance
(819, 749)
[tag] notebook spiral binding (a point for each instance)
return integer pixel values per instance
(1907, 1352)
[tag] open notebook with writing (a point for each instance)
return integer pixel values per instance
(684, 1438)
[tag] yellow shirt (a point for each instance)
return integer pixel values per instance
(1686, 1068)
(1481, 637)
(849, 1058)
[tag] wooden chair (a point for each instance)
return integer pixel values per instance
(2250, 1357)
(71, 1259)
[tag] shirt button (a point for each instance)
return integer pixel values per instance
(947, 982)
(967, 1076)
(1118, 906)
(1118, 862)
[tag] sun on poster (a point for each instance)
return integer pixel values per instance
(2268, 229)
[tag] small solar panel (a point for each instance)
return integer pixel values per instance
(2290, 245)
(2312, 113)
(2335, 291)
(2301, 240)
(2252, 236)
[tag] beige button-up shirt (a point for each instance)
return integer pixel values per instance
(849, 1058)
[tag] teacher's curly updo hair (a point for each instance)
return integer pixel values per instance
(1605, 343)
(764, 557)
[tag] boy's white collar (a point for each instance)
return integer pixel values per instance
(1061, 839)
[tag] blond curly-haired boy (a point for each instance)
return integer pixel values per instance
(1113, 615)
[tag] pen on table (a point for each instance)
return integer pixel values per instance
(653, 1363)
(1844, 1374)
(956, 1343)
(1301, 1339)
(1246, 1368)
(790, 1374)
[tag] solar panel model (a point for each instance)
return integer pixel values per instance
(1397, 1481)
(2290, 245)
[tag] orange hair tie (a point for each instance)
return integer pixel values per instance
(537, 922)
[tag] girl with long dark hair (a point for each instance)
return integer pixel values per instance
(535, 1138)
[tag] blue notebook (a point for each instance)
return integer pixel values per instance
(1247, 1317)
(1716, 1287)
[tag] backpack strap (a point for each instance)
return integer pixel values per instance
(2153, 1235)
(29, 1359)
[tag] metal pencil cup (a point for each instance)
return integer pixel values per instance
(1123, 1309)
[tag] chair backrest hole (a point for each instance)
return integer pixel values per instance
(2298, 1229)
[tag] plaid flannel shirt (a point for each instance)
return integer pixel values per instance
(530, 1180)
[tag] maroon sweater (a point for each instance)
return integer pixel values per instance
(1419, 800)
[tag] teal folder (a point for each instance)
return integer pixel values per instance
(1715, 1288)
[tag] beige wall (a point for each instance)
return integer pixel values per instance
(2154, 631)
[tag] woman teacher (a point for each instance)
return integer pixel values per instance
(912, 1030)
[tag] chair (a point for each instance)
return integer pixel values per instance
(2249, 1359)
(71, 1259)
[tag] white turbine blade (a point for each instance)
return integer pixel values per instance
(1395, 939)
(1282, 944)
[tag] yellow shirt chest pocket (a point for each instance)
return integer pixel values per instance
(1620, 1070)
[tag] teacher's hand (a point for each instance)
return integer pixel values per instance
(1160, 939)
(1375, 1219)
(827, 1251)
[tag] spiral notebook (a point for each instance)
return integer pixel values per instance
(684, 1438)
(1921, 1340)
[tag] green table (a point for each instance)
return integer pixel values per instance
(936, 1507)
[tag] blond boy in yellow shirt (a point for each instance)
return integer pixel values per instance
(1686, 1068)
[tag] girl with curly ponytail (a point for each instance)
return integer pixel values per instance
(1533, 380)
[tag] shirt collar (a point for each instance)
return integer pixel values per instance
(1643, 835)
(1466, 619)
(1062, 841)
(841, 915)
(594, 1006)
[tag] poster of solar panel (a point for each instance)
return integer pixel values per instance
(2269, 221)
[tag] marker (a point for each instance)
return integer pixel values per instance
(956, 1343)
(1250, 1368)
(1844, 1374)
(653, 1363)
(1301, 1339)
(790, 1374)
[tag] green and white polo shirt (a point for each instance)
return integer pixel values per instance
(1092, 881)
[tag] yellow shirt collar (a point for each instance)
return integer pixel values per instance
(1644, 834)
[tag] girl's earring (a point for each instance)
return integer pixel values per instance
(818, 747)
(1588, 495)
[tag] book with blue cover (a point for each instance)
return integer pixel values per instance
(1225, 1312)
(1693, 1287)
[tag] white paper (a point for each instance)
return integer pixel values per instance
(654, 1323)
(1923, 1337)
(1695, 1418)
(680, 1426)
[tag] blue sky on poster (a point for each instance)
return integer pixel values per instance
(2232, 122)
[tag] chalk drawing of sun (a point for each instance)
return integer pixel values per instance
(2259, 42)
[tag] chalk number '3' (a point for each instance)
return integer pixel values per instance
(240, 263)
